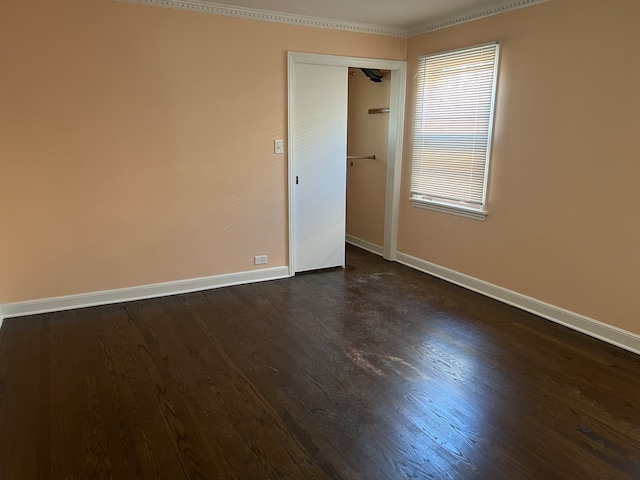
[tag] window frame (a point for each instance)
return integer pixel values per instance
(439, 204)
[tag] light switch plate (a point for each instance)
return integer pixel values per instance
(278, 146)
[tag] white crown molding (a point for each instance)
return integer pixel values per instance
(156, 290)
(488, 11)
(594, 328)
(363, 244)
(269, 16)
(203, 6)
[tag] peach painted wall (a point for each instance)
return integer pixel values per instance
(367, 135)
(562, 226)
(136, 143)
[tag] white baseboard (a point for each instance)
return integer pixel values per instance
(139, 293)
(594, 328)
(608, 333)
(363, 244)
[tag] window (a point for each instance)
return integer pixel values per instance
(452, 131)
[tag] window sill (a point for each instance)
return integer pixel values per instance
(459, 210)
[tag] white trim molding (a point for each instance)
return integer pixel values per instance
(155, 290)
(487, 11)
(589, 326)
(363, 244)
(270, 16)
(203, 6)
(449, 208)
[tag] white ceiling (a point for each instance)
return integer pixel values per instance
(406, 14)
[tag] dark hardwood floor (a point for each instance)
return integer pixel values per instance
(373, 372)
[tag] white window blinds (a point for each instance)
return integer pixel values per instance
(452, 130)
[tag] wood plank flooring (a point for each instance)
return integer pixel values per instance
(372, 372)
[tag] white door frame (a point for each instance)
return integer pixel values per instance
(394, 153)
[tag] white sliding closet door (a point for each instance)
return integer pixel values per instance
(318, 146)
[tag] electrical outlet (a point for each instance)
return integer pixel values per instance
(260, 260)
